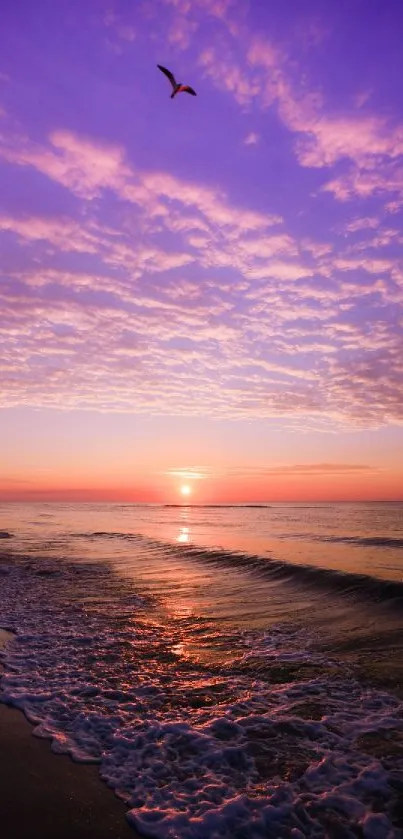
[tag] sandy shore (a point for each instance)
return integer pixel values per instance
(48, 796)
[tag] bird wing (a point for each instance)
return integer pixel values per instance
(168, 74)
(186, 89)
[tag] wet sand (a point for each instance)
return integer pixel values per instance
(47, 795)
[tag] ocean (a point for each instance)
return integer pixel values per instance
(235, 672)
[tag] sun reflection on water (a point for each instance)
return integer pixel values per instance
(183, 535)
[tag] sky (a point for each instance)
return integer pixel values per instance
(203, 292)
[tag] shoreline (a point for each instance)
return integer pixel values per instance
(48, 795)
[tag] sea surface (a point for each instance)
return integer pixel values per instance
(236, 672)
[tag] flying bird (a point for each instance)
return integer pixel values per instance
(177, 87)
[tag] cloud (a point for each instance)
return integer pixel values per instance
(384, 180)
(65, 234)
(214, 230)
(188, 474)
(215, 8)
(67, 346)
(361, 139)
(229, 76)
(87, 168)
(361, 99)
(303, 469)
(365, 223)
(251, 139)
(189, 304)
(259, 72)
(371, 265)
(185, 19)
(279, 470)
(79, 164)
(120, 31)
(123, 30)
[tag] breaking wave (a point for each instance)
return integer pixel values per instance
(341, 582)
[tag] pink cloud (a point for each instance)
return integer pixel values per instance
(278, 323)
(365, 223)
(87, 167)
(304, 469)
(364, 183)
(110, 357)
(65, 234)
(220, 233)
(357, 138)
(371, 265)
(227, 75)
(260, 73)
(81, 165)
(281, 271)
(189, 14)
(251, 139)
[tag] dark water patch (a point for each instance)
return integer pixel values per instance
(287, 763)
(309, 710)
(220, 506)
(114, 534)
(281, 674)
(381, 744)
(365, 541)
(382, 670)
(355, 541)
(305, 507)
(393, 542)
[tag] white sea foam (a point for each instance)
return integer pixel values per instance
(276, 741)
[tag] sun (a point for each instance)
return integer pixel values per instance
(185, 489)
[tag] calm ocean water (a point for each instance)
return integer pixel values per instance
(235, 671)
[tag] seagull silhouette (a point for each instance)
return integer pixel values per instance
(177, 86)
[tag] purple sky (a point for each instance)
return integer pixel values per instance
(210, 283)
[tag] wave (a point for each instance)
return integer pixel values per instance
(361, 585)
(355, 541)
(365, 541)
(340, 582)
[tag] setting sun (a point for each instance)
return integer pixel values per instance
(185, 489)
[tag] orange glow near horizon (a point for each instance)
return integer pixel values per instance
(285, 485)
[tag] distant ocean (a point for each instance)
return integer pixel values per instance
(236, 672)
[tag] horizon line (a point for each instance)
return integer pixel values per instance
(257, 504)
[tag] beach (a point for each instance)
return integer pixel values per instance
(48, 795)
(218, 692)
